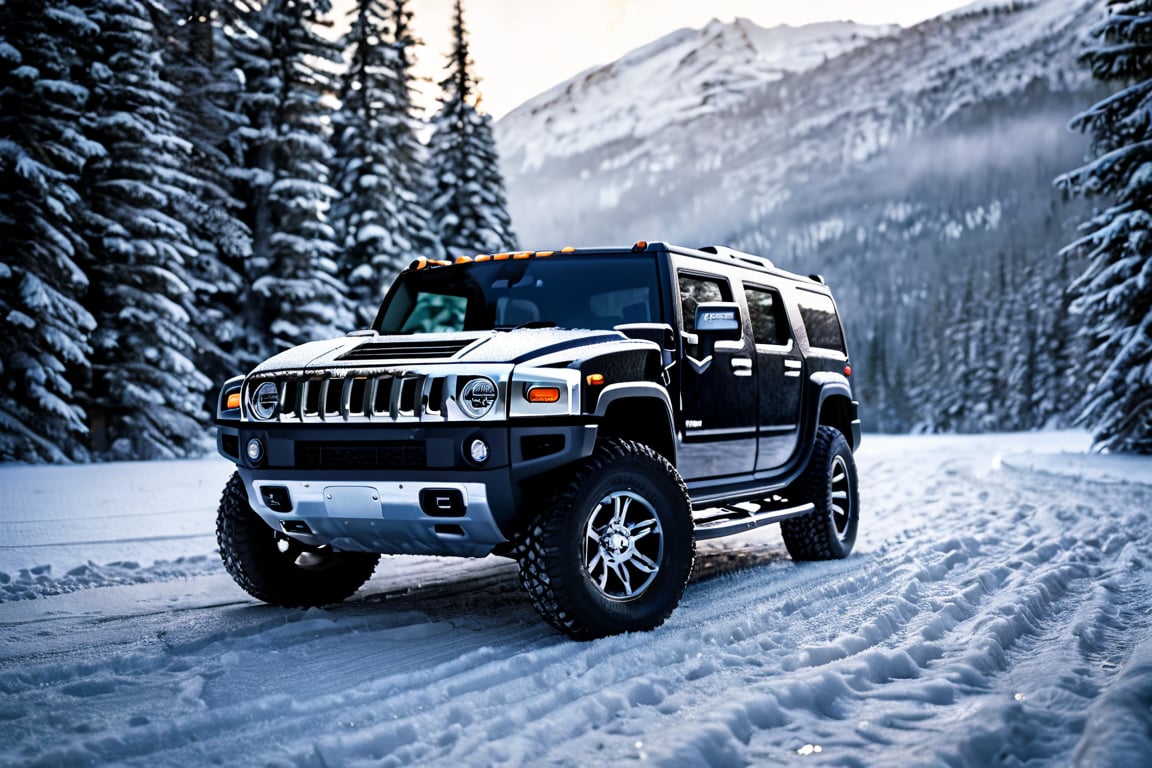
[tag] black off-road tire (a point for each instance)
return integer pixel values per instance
(829, 482)
(585, 558)
(278, 570)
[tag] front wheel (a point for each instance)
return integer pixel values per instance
(613, 549)
(829, 482)
(280, 570)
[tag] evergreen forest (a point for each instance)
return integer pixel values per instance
(189, 186)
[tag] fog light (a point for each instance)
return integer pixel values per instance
(255, 449)
(478, 450)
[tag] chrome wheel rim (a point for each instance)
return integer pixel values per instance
(623, 545)
(841, 483)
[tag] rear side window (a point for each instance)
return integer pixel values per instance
(820, 321)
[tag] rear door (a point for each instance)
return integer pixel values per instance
(779, 377)
(717, 390)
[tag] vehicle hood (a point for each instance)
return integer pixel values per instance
(372, 351)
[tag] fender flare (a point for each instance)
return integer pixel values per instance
(640, 389)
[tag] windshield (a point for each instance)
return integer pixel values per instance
(582, 291)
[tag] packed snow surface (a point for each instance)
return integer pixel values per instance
(997, 611)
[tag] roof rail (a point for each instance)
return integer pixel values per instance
(731, 253)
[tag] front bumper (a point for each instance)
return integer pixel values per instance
(398, 490)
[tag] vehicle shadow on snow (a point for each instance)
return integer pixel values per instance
(492, 596)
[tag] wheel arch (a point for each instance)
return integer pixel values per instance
(640, 411)
(837, 409)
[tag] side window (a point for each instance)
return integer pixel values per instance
(765, 310)
(820, 321)
(696, 290)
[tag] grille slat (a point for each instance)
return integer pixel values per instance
(406, 350)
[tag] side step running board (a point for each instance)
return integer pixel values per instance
(724, 521)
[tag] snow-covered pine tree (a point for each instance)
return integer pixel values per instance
(205, 115)
(1114, 294)
(44, 347)
(468, 206)
(296, 291)
(146, 399)
(380, 169)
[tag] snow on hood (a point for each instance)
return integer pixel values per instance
(514, 346)
(305, 354)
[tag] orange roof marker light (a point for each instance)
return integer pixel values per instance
(424, 263)
(641, 245)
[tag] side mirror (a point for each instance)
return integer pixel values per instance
(717, 321)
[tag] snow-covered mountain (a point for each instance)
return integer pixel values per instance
(912, 167)
(683, 76)
(704, 132)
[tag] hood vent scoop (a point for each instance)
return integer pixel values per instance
(406, 350)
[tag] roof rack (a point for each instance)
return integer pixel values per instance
(731, 253)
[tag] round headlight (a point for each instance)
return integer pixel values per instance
(264, 400)
(477, 397)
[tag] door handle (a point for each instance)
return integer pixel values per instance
(742, 366)
(792, 368)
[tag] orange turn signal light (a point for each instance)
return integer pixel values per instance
(233, 400)
(544, 394)
(595, 379)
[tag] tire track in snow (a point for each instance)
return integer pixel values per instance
(975, 623)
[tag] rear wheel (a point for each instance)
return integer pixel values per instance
(613, 549)
(278, 569)
(829, 482)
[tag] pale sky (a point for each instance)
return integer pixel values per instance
(523, 47)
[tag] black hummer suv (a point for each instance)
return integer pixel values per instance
(592, 413)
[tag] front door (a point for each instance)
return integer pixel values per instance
(717, 390)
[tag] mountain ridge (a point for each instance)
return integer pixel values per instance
(699, 69)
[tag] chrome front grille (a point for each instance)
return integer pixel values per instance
(352, 398)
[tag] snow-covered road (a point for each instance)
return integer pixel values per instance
(997, 611)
